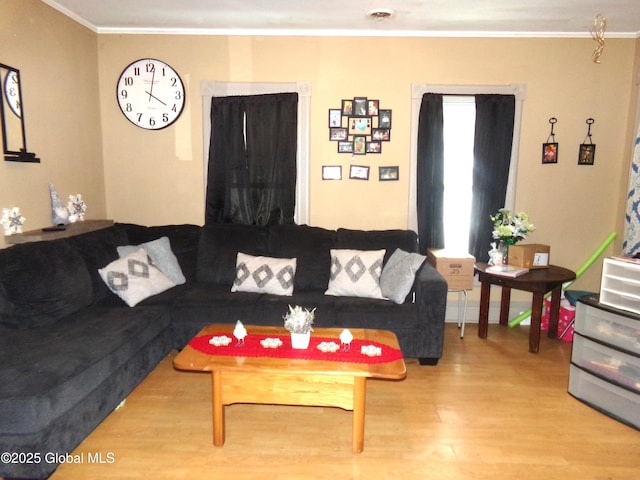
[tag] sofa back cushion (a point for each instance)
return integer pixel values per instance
(99, 249)
(311, 246)
(42, 282)
(182, 238)
(390, 240)
(219, 246)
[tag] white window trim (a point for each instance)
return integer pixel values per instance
(418, 90)
(210, 89)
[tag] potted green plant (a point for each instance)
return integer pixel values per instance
(299, 322)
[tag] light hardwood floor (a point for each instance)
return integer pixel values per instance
(489, 410)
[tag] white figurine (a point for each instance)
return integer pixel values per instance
(239, 332)
(345, 339)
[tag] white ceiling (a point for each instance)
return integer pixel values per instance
(500, 18)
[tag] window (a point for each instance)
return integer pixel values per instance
(209, 89)
(459, 163)
(459, 116)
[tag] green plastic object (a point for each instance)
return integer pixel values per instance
(585, 266)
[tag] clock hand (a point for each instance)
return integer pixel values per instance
(153, 77)
(151, 95)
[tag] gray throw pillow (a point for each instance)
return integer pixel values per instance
(161, 256)
(399, 273)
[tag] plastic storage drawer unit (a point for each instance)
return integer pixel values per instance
(612, 365)
(620, 284)
(605, 325)
(605, 397)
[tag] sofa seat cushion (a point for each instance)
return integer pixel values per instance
(42, 282)
(48, 370)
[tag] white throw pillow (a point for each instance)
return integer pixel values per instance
(133, 278)
(355, 273)
(264, 275)
(161, 255)
(399, 273)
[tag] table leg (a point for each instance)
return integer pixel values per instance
(505, 303)
(483, 319)
(359, 401)
(536, 318)
(218, 408)
(554, 312)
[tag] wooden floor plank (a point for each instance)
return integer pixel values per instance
(489, 410)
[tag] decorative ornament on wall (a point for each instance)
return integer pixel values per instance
(12, 220)
(597, 33)
(359, 126)
(587, 154)
(550, 148)
(76, 208)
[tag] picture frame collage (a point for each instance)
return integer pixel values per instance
(359, 127)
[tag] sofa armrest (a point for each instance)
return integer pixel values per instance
(431, 299)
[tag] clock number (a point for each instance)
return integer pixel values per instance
(123, 93)
(151, 68)
(165, 117)
(178, 95)
(152, 122)
(128, 81)
(128, 107)
(136, 71)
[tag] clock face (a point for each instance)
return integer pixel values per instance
(12, 92)
(150, 94)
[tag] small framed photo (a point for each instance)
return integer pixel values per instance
(331, 172)
(373, 107)
(384, 119)
(381, 134)
(338, 133)
(359, 125)
(360, 145)
(347, 107)
(345, 146)
(587, 154)
(359, 172)
(374, 147)
(387, 174)
(360, 106)
(335, 117)
(549, 153)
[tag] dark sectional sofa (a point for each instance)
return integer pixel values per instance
(71, 350)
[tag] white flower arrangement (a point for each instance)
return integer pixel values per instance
(299, 320)
(511, 228)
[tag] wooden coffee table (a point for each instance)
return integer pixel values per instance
(290, 381)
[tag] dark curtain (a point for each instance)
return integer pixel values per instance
(252, 159)
(492, 158)
(430, 173)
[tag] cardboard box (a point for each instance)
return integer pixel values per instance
(455, 267)
(533, 255)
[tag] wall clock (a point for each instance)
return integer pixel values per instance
(150, 94)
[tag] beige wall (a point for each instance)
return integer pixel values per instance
(58, 64)
(156, 177)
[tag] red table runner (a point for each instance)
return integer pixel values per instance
(253, 348)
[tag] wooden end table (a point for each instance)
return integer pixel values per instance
(290, 381)
(537, 281)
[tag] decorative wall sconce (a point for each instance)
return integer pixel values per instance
(587, 153)
(550, 149)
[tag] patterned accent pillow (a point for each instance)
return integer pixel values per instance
(355, 273)
(399, 273)
(161, 255)
(264, 275)
(133, 278)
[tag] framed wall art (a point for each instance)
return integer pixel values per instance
(359, 126)
(331, 172)
(386, 174)
(359, 172)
